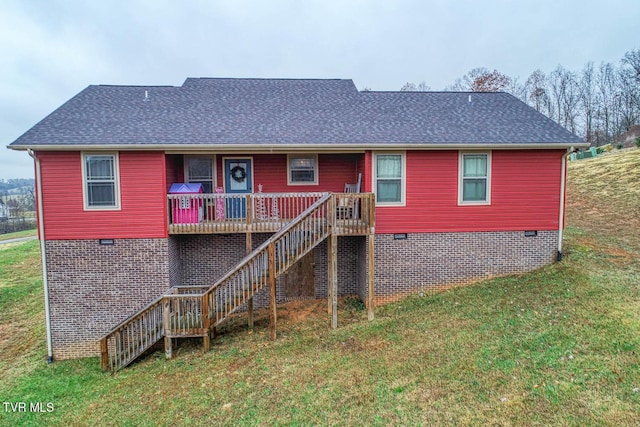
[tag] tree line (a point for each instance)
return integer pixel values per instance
(598, 102)
(17, 198)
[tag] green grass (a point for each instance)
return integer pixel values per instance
(604, 194)
(17, 234)
(559, 346)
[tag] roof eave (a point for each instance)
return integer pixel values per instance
(298, 147)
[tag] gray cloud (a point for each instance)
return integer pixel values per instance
(51, 50)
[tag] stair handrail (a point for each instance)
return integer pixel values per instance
(105, 359)
(134, 315)
(258, 269)
(271, 239)
(104, 349)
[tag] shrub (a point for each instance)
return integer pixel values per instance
(354, 303)
(638, 141)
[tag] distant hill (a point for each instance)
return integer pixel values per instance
(16, 186)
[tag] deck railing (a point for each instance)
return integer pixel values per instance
(235, 213)
(261, 212)
(355, 213)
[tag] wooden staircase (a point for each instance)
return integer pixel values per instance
(194, 311)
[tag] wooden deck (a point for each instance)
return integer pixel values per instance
(263, 212)
(195, 311)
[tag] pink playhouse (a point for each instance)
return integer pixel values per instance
(188, 210)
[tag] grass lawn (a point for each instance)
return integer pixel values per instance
(560, 346)
(17, 234)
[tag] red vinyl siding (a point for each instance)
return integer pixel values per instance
(367, 172)
(175, 172)
(362, 169)
(142, 196)
(270, 170)
(525, 194)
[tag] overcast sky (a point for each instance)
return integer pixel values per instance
(50, 50)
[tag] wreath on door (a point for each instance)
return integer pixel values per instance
(238, 173)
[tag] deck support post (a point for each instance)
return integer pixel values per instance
(168, 350)
(333, 279)
(331, 213)
(332, 261)
(248, 249)
(206, 342)
(370, 276)
(371, 257)
(272, 291)
(104, 354)
(329, 276)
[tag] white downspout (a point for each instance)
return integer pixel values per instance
(43, 250)
(563, 185)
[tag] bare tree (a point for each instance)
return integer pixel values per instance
(457, 86)
(482, 80)
(4, 211)
(412, 87)
(536, 88)
(555, 93)
(605, 86)
(629, 82)
(15, 207)
(423, 87)
(408, 87)
(564, 95)
(626, 99)
(587, 95)
(632, 60)
(517, 89)
(29, 199)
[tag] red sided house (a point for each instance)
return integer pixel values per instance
(162, 210)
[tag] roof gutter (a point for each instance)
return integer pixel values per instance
(43, 251)
(563, 186)
(283, 148)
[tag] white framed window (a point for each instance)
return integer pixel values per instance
(201, 170)
(389, 178)
(101, 181)
(302, 169)
(474, 183)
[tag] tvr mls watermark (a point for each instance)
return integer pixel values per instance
(41, 407)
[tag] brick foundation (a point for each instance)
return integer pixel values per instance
(205, 258)
(362, 265)
(175, 264)
(94, 287)
(347, 267)
(427, 262)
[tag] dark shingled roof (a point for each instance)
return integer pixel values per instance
(212, 112)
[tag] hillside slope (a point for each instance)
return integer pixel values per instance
(603, 194)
